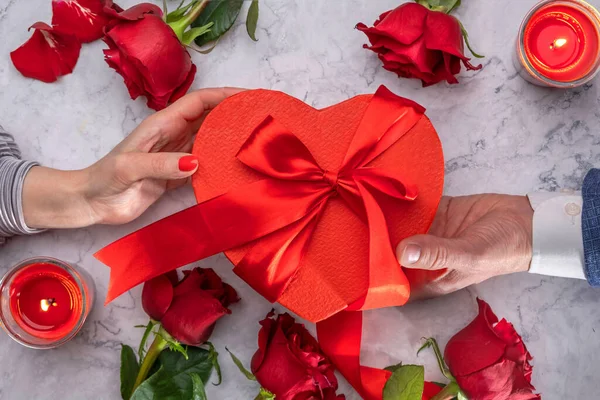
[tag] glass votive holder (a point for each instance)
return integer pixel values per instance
(44, 302)
(558, 44)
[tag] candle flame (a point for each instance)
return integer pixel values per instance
(46, 303)
(558, 43)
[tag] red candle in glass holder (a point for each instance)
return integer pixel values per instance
(559, 44)
(44, 302)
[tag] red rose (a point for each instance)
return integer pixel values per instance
(415, 42)
(189, 309)
(290, 364)
(149, 56)
(489, 359)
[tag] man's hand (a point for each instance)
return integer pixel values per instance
(121, 186)
(473, 238)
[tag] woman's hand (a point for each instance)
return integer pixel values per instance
(121, 186)
(473, 238)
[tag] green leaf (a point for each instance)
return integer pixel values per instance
(147, 331)
(264, 394)
(173, 381)
(214, 357)
(241, 367)
(456, 5)
(191, 34)
(431, 342)
(461, 396)
(172, 343)
(179, 12)
(406, 383)
(252, 20)
(445, 6)
(223, 13)
(198, 393)
(393, 368)
(466, 36)
(129, 371)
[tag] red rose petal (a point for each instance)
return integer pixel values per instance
(475, 347)
(182, 90)
(157, 296)
(280, 371)
(430, 390)
(192, 282)
(83, 18)
(405, 24)
(192, 317)
(501, 381)
(267, 330)
(133, 13)
(121, 64)
(416, 54)
(444, 71)
(443, 33)
(47, 55)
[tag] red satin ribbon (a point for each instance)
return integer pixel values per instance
(282, 211)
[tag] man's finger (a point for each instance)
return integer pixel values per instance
(433, 253)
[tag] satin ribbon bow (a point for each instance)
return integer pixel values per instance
(282, 211)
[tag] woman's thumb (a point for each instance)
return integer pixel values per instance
(168, 166)
(431, 252)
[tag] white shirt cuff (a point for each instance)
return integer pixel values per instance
(557, 238)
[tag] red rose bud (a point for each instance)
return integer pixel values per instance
(489, 359)
(188, 310)
(149, 56)
(415, 42)
(290, 364)
(84, 19)
(47, 55)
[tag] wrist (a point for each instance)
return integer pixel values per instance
(56, 199)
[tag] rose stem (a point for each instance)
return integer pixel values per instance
(157, 346)
(449, 392)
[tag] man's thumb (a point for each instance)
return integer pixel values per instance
(431, 252)
(168, 166)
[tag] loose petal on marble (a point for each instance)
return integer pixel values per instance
(47, 55)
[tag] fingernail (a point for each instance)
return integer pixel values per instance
(188, 163)
(411, 254)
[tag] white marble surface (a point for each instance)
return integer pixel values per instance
(499, 134)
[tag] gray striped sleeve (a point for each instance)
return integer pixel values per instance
(12, 176)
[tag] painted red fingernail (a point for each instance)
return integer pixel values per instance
(188, 163)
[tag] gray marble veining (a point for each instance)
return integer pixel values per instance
(499, 134)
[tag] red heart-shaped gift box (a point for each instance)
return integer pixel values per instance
(334, 270)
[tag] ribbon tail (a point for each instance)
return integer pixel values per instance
(271, 263)
(388, 285)
(219, 224)
(340, 338)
